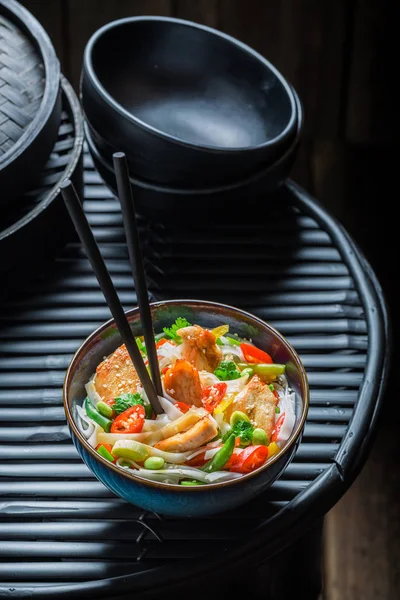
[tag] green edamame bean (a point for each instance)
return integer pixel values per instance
(237, 416)
(154, 462)
(260, 438)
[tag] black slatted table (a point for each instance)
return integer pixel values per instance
(63, 534)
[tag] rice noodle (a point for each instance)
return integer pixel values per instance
(172, 411)
(168, 354)
(287, 407)
(91, 390)
(93, 438)
(235, 350)
(82, 419)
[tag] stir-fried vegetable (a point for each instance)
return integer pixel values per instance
(254, 355)
(267, 372)
(94, 414)
(227, 370)
(125, 401)
(227, 408)
(219, 459)
(171, 332)
(213, 395)
(130, 421)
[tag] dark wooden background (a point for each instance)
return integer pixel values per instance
(341, 57)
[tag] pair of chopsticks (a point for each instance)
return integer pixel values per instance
(152, 387)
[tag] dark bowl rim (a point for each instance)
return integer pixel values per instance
(31, 26)
(296, 433)
(157, 187)
(88, 68)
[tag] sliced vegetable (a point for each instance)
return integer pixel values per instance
(141, 346)
(125, 401)
(182, 406)
(277, 410)
(227, 370)
(221, 330)
(219, 459)
(247, 371)
(233, 340)
(255, 355)
(223, 405)
(161, 342)
(271, 387)
(237, 416)
(212, 395)
(105, 409)
(267, 372)
(277, 428)
(197, 461)
(194, 482)
(154, 462)
(250, 459)
(111, 438)
(105, 451)
(259, 438)
(130, 421)
(171, 332)
(131, 450)
(273, 448)
(94, 414)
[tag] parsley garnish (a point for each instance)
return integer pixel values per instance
(242, 429)
(227, 370)
(125, 401)
(171, 332)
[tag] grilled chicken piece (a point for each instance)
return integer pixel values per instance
(116, 375)
(200, 348)
(258, 402)
(182, 383)
(196, 436)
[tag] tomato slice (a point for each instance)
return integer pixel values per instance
(197, 461)
(232, 461)
(213, 394)
(250, 459)
(255, 355)
(277, 428)
(129, 421)
(182, 406)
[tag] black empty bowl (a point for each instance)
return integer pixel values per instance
(168, 203)
(189, 105)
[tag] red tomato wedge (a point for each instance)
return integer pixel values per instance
(182, 406)
(277, 428)
(255, 355)
(213, 394)
(129, 421)
(197, 461)
(250, 459)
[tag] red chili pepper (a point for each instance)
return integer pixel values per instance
(276, 396)
(277, 428)
(182, 406)
(161, 342)
(255, 355)
(129, 421)
(213, 394)
(250, 459)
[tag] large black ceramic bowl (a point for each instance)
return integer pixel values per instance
(170, 498)
(189, 105)
(167, 203)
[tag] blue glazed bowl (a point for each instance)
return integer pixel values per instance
(171, 499)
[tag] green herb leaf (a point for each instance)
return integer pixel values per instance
(242, 429)
(125, 401)
(227, 370)
(171, 332)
